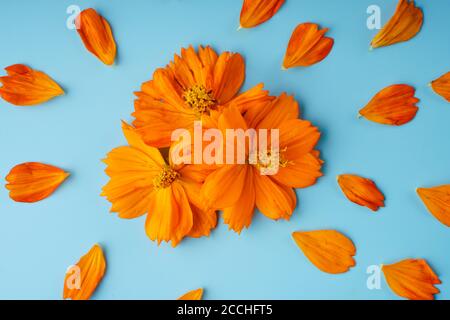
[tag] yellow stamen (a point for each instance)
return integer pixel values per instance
(267, 159)
(199, 99)
(165, 178)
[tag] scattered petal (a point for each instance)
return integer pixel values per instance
(437, 200)
(83, 278)
(394, 105)
(412, 279)
(442, 86)
(96, 35)
(192, 295)
(361, 191)
(33, 181)
(404, 25)
(328, 250)
(307, 46)
(256, 12)
(24, 86)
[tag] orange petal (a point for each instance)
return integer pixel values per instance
(299, 137)
(412, 279)
(255, 97)
(83, 278)
(203, 222)
(255, 12)
(328, 250)
(307, 46)
(361, 191)
(24, 86)
(229, 75)
(230, 178)
(156, 120)
(204, 218)
(170, 215)
(239, 216)
(301, 172)
(442, 86)
(273, 115)
(274, 200)
(192, 295)
(394, 105)
(404, 25)
(131, 170)
(33, 181)
(96, 35)
(437, 200)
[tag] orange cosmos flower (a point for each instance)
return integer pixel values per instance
(24, 86)
(404, 25)
(256, 12)
(245, 186)
(328, 250)
(412, 279)
(83, 278)
(442, 86)
(188, 89)
(33, 181)
(192, 295)
(307, 46)
(142, 182)
(394, 105)
(437, 201)
(361, 191)
(96, 35)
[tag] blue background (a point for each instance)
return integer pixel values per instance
(39, 241)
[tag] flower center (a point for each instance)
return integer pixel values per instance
(199, 99)
(267, 160)
(165, 178)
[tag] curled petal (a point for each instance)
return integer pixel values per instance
(33, 181)
(437, 200)
(96, 35)
(442, 86)
(394, 105)
(404, 25)
(192, 295)
(361, 191)
(307, 46)
(256, 12)
(328, 250)
(24, 86)
(412, 279)
(83, 278)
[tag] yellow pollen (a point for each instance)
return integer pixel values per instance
(267, 159)
(165, 178)
(199, 99)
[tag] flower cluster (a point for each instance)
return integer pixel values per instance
(181, 199)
